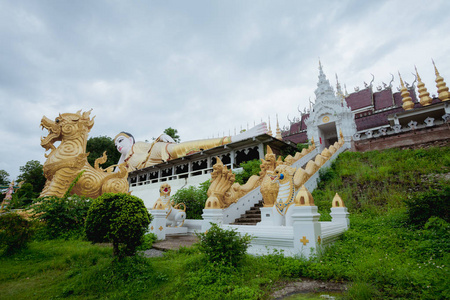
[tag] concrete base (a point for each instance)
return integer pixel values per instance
(176, 230)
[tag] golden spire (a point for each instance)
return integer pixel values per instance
(406, 98)
(278, 135)
(443, 93)
(424, 96)
(270, 130)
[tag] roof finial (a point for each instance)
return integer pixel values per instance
(443, 93)
(278, 131)
(424, 96)
(270, 130)
(406, 98)
(320, 67)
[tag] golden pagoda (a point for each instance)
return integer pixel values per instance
(424, 96)
(443, 95)
(406, 97)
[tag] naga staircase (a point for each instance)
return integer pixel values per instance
(252, 202)
(251, 216)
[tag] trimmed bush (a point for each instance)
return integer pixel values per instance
(223, 246)
(15, 232)
(118, 218)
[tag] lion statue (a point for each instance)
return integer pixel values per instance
(69, 159)
(174, 214)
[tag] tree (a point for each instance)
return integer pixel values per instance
(97, 145)
(4, 180)
(119, 218)
(33, 173)
(173, 133)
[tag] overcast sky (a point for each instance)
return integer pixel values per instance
(202, 67)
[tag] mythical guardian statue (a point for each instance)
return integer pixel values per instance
(67, 160)
(174, 214)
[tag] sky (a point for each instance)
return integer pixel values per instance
(206, 68)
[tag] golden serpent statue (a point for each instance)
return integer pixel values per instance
(67, 160)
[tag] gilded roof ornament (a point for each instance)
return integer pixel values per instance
(270, 130)
(406, 97)
(424, 96)
(278, 135)
(443, 93)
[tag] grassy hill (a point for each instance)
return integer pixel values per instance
(398, 246)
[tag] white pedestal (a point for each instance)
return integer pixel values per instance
(158, 225)
(211, 216)
(176, 230)
(340, 215)
(266, 216)
(306, 229)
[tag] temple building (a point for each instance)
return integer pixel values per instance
(368, 113)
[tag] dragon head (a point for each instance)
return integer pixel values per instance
(65, 125)
(281, 174)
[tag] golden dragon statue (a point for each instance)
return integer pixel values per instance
(69, 158)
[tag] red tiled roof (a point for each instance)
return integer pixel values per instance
(383, 99)
(359, 99)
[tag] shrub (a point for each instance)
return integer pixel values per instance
(223, 246)
(63, 217)
(15, 232)
(251, 167)
(118, 218)
(428, 204)
(194, 198)
(23, 196)
(147, 241)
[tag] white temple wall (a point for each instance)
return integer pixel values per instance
(149, 193)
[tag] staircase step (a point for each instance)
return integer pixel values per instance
(251, 216)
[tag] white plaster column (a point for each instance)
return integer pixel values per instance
(158, 225)
(266, 217)
(261, 151)
(340, 215)
(232, 158)
(190, 168)
(211, 216)
(306, 229)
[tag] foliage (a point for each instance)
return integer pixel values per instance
(97, 145)
(23, 196)
(301, 146)
(251, 167)
(381, 256)
(118, 218)
(33, 173)
(222, 246)
(173, 133)
(194, 198)
(63, 217)
(147, 241)
(15, 233)
(386, 259)
(422, 206)
(4, 180)
(375, 181)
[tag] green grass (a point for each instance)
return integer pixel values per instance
(382, 255)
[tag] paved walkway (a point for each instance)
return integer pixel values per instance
(174, 242)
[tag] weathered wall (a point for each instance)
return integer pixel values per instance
(410, 139)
